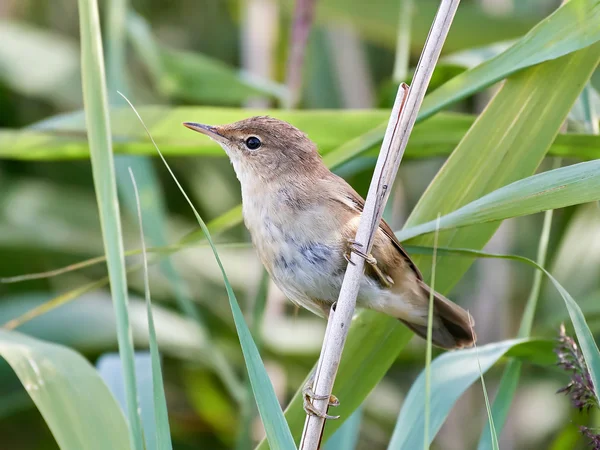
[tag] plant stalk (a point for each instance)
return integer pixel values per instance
(400, 125)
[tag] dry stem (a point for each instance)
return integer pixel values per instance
(400, 125)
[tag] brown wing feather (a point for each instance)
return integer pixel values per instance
(359, 204)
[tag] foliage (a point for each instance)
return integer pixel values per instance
(476, 167)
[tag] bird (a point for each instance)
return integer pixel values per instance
(303, 218)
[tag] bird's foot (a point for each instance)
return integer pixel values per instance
(309, 395)
(355, 247)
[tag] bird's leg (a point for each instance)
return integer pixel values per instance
(354, 247)
(309, 395)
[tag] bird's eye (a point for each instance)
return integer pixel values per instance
(253, 142)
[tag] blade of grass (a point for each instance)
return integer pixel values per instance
(558, 188)
(154, 211)
(276, 428)
(55, 303)
(78, 292)
(244, 439)
(490, 424)
(161, 416)
(429, 346)
(96, 111)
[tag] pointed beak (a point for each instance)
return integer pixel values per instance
(211, 132)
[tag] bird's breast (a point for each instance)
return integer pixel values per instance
(300, 248)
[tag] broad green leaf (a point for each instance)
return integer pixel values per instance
(554, 37)
(64, 136)
(571, 27)
(506, 143)
(99, 137)
(558, 188)
(340, 135)
(74, 401)
(452, 374)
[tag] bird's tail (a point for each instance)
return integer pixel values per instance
(452, 328)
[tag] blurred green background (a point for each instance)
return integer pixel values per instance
(233, 53)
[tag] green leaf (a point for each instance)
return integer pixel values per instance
(98, 131)
(347, 135)
(248, 412)
(570, 28)
(74, 401)
(64, 136)
(558, 188)
(161, 428)
(452, 373)
(505, 144)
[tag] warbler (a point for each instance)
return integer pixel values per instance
(302, 219)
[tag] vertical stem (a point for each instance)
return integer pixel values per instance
(401, 122)
(258, 43)
(99, 137)
(116, 17)
(303, 18)
(403, 41)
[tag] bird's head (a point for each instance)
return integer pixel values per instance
(263, 148)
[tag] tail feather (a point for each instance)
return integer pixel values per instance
(452, 325)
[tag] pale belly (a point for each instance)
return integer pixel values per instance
(311, 274)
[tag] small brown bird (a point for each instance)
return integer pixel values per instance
(303, 218)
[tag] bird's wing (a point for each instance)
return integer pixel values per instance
(357, 203)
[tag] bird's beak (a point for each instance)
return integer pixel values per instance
(211, 132)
